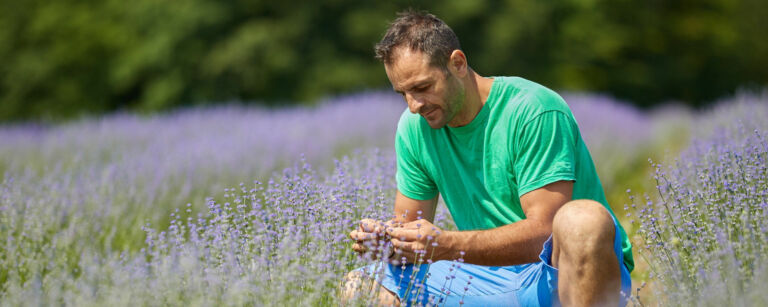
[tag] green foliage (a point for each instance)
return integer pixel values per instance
(64, 58)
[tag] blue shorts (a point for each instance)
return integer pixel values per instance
(450, 283)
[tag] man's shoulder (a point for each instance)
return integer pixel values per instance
(525, 99)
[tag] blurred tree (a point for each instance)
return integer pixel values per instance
(63, 58)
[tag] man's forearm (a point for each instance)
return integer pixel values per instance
(512, 244)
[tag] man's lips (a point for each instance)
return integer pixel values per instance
(428, 113)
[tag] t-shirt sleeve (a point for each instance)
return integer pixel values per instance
(412, 179)
(546, 151)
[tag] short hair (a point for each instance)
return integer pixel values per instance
(419, 31)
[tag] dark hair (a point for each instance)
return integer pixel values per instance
(419, 31)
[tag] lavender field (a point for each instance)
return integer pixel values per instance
(239, 205)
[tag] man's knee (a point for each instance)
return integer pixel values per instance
(583, 225)
(358, 286)
(589, 273)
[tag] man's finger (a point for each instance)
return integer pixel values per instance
(362, 236)
(355, 235)
(368, 221)
(369, 225)
(360, 248)
(404, 234)
(403, 246)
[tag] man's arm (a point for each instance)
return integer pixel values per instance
(512, 244)
(407, 209)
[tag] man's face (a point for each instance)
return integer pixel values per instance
(436, 94)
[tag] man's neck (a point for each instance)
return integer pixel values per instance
(477, 89)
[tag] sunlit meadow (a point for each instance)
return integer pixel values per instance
(243, 205)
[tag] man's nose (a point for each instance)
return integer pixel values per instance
(414, 105)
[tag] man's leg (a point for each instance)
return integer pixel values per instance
(583, 252)
(354, 289)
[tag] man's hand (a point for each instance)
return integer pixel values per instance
(419, 241)
(371, 237)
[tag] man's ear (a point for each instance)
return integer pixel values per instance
(457, 63)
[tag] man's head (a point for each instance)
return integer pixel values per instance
(424, 63)
(418, 31)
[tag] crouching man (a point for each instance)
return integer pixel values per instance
(507, 157)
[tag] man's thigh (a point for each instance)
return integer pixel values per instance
(450, 283)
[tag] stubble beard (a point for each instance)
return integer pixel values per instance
(454, 100)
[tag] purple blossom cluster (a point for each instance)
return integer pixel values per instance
(704, 235)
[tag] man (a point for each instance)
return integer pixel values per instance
(508, 159)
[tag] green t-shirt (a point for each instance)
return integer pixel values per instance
(523, 138)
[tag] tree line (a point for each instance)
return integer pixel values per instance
(64, 58)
